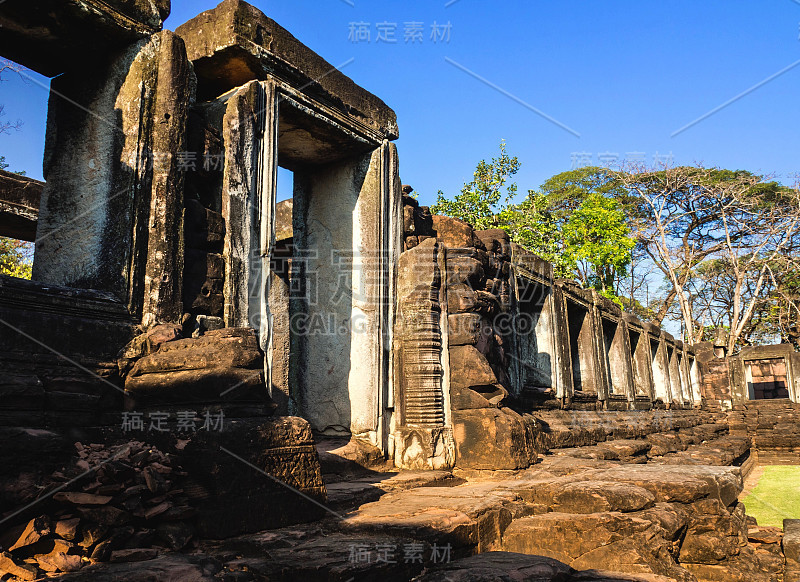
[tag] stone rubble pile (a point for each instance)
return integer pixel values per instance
(134, 504)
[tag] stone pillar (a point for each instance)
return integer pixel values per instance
(641, 361)
(343, 257)
(619, 359)
(422, 440)
(674, 374)
(111, 216)
(249, 130)
(695, 379)
(565, 386)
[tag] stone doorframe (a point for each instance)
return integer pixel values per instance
(369, 162)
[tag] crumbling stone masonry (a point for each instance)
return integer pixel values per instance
(487, 338)
(357, 310)
(168, 282)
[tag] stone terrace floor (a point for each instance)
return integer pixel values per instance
(613, 511)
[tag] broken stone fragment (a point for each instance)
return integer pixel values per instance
(461, 299)
(51, 548)
(154, 480)
(22, 571)
(465, 270)
(92, 534)
(176, 534)
(59, 562)
(470, 368)
(496, 240)
(202, 369)
(408, 220)
(68, 528)
(791, 542)
(34, 530)
(454, 233)
(157, 510)
(206, 323)
(492, 438)
(81, 498)
(423, 222)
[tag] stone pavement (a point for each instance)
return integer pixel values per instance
(567, 518)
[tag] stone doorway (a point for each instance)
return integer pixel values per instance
(767, 379)
(533, 372)
(582, 351)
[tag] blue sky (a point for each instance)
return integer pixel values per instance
(625, 75)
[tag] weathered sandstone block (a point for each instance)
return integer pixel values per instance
(117, 224)
(492, 438)
(222, 364)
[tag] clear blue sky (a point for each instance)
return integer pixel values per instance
(624, 75)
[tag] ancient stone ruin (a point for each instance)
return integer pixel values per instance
(201, 383)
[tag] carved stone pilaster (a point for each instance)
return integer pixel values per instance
(423, 440)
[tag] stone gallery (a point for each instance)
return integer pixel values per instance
(201, 383)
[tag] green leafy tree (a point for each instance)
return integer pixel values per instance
(480, 200)
(533, 225)
(577, 221)
(15, 258)
(567, 191)
(598, 239)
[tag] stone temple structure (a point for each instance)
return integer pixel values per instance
(342, 331)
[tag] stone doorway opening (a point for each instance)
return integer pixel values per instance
(324, 260)
(581, 348)
(660, 371)
(303, 250)
(533, 372)
(19, 210)
(767, 379)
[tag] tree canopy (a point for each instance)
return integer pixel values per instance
(721, 241)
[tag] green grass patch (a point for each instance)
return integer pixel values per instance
(776, 496)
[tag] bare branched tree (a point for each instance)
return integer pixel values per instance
(8, 126)
(691, 215)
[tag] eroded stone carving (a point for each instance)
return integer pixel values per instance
(425, 440)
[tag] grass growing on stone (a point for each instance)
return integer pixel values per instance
(776, 496)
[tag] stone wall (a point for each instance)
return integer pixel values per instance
(756, 373)
(503, 340)
(19, 205)
(773, 427)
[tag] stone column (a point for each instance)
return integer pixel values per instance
(111, 216)
(661, 384)
(250, 133)
(565, 386)
(342, 257)
(422, 440)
